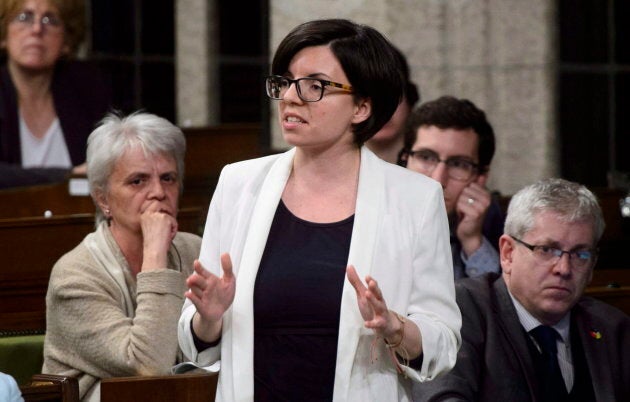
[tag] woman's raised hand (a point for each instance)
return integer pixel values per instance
(372, 305)
(212, 296)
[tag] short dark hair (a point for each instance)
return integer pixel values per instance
(450, 112)
(368, 59)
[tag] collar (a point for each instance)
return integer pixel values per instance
(530, 322)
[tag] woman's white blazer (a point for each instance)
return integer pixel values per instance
(400, 237)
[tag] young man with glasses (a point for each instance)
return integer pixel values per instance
(450, 140)
(529, 334)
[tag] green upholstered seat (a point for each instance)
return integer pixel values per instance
(21, 356)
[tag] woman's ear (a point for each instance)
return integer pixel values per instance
(101, 200)
(363, 110)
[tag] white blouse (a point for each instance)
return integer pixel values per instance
(49, 151)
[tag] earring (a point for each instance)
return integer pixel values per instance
(107, 212)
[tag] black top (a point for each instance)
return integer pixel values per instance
(297, 302)
(81, 100)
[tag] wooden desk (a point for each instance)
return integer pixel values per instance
(168, 388)
(35, 200)
(618, 297)
(610, 277)
(51, 388)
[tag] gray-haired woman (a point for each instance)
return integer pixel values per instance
(113, 302)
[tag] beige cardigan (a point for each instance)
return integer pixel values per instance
(90, 332)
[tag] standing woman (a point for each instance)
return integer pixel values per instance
(48, 103)
(113, 302)
(325, 273)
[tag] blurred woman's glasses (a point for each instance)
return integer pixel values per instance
(27, 19)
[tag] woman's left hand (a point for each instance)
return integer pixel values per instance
(382, 320)
(372, 305)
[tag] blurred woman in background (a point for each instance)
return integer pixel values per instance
(48, 103)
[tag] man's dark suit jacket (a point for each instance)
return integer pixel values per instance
(81, 100)
(494, 362)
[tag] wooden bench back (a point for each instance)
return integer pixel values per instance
(208, 150)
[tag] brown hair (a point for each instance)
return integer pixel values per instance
(450, 112)
(71, 13)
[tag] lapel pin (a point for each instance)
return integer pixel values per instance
(595, 334)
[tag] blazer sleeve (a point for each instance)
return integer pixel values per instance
(432, 304)
(210, 260)
(462, 382)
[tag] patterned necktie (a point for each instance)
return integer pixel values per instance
(552, 382)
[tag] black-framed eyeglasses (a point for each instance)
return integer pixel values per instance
(456, 168)
(308, 89)
(27, 19)
(551, 255)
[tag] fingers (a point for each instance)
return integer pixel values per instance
(194, 294)
(482, 179)
(473, 202)
(371, 291)
(371, 303)
(199, 278)
(373, 288)
(158, 229)
(200, 269)
(157, 206)
(202, 279)
(355, 281)
(479, 195)
(375, 297)
(226, 265)
(174, 228)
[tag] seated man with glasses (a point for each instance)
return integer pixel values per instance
(530, 334)
(450, 140)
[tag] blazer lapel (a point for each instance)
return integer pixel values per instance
(366, 220)
(242, 317)
(595, 345)
(514, 333)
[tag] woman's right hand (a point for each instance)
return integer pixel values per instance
(212, 296)
(159, 228)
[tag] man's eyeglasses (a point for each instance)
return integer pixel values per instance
(457, 168)
(551, 255)
(308, 89)
(28, 18)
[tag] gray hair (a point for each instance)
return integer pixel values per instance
(117, 134)
(572, 201)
